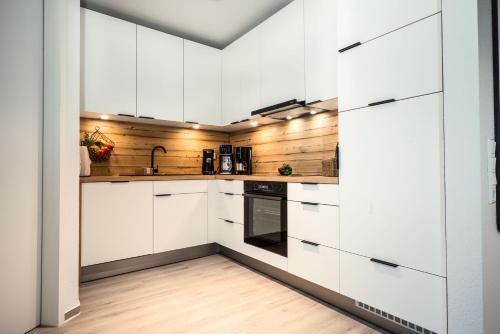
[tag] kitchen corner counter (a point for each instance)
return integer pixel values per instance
(290, 179)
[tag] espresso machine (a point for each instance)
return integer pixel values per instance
(243, 160)
(208, 166)
(226, 159)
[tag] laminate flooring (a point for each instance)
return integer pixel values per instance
(202, 296)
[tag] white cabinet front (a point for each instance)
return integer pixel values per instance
(180, 221)
(229, 235)
(116, 221)
(391, 183)
(361, 20)
(410, 295)
(403, 64)
(159, 75)
(202, 83)
(230, 207)
(314, 193)
(282, 50)
(108, 64)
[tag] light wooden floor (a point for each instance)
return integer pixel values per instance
(207, 295)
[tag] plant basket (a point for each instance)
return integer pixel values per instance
(100, 146)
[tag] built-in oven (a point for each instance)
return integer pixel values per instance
(266, 215)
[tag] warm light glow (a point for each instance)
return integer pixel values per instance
(254, 123)
(289, 117)
(196, 126)
(104, 117)
(313, 112)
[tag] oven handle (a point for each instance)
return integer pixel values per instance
(272, 198)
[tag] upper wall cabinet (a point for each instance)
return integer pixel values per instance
(282, 47)
(241, 77)
(363, 20)
(159, 75)
(202, 83)
(108, 64)
(320, 49)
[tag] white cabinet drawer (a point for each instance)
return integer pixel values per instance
(361, 20)
(230, 207)
(316, 223)
(180, 187)
(318, 264)
(229, 235)
(265, 256)
(399, 65)
(314, 193)
(230, 186)
(408, 294)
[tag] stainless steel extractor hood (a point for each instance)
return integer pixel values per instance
(293, 109)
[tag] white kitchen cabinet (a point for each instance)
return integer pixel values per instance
(282, 55)
(108, 64)
(241, 77)
(361, 20)
(265, 256)
(202, 83)
(180, 221)
(320, 49)
(314, 222)
(116, 221)
(410, 295)
(180, 187)
(229, 235)
(315, 263)
(230, 186)
(314, 193)
(403, 64)
(160, 78)
(392, 185)
(230, 207)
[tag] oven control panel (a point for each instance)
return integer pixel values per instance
(262, 187)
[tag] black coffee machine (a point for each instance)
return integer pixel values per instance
(243, 160)
(208, 166)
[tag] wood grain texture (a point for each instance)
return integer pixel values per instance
(303, 143)
(134, 142)
(202, 296)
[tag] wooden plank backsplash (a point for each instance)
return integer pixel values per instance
(303, 143)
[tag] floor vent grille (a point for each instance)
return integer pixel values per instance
(392, 318)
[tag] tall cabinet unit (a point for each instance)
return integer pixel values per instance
(160, 76)
(392, 233)
(108, 64)
(202, 83)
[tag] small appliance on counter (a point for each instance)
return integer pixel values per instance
(243, 160)
(225, 159)
(208, 167)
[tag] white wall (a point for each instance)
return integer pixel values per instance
(21, 113)
(61, 160)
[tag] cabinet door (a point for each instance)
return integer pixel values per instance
(320, 49)
(361, 20)
(108, 64)
(399, 65)
(180, 221)
(202, 83)
(391, 183)
(282, 65)
(116, 221)
(159, 75)
(241, 78)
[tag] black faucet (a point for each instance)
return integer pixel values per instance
(155, 170)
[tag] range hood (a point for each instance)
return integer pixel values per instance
(294, 109)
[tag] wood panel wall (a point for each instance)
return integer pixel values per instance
(303, 143)
(134, 141)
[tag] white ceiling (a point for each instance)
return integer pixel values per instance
(212, 22)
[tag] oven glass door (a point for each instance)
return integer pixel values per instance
(266, 222)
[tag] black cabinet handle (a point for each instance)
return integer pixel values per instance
(146, 117)
(381, 102)
(310, 243)
(352, 46)
(228, 179)
(229, 194)
(309, 203)
(309, 183)
(126, 115)
(228, 221)
(120, 181)
(385, 263)
(163, 195)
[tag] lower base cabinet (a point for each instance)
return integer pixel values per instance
(410, 295)
(229, 234)
(316, 263)
(180, 221)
